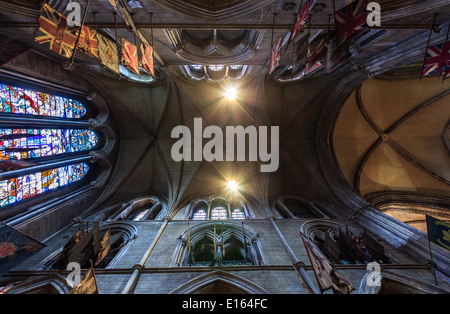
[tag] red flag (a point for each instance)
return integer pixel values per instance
(129, 56)
(350, 20)
(88, 41)
(147, 59)
(301, 20)
(54, 33)
(327, 277)
(275, 57)
(437, 59)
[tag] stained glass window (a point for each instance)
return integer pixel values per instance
(200, 214)
(197, 67)
(34, 143)
(216, 68)
(24, 187)
(141, 215)
(235, 67)
(23, 101)
(219, 213)
(237, 213)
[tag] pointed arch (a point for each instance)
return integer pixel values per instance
(226, 281)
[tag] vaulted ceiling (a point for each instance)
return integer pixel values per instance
(240, 33)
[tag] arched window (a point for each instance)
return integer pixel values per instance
(344, 244)
(200, 214)
(139, 209)
(216, 68)
(24, 101)
(220, 244)
(111, 238)
(218, 208)
(34, 143)
(196, 67)
(219, 213)
(45, 144)
(235, 67)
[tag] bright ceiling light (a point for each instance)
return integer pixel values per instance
(232, 185)
(231, 93)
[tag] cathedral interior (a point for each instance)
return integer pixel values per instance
(363, 152)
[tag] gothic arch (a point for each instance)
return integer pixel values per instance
(147, 208)
(55, 284)
(233, 282)
(233, 233)
(326, 236)
(393, 283)
(121, 236)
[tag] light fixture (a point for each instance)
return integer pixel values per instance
(230, 93)
(232, 185)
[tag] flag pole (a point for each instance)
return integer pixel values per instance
(428, 45)
(215, 245)
(431, 253)
(328, 44)
(293, 54)
(72, 59)
(223, 241)
(446, 40)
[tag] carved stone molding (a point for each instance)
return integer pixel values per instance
(215, 9)
(214, 47)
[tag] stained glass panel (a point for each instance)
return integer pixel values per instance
(24, 187)
(33, 143)
(141, 215)
(216, 68)
(196, 67)
(219, 213)
(200, 214)
(24, 101)
(235, 67)
(237, 213)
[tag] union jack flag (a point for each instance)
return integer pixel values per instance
(275, 57)
(129, 56)
(437, 59)
(147, 59)
(350, 20)
(301, 19)
(316, 51)
(88, 41)
(54, 33)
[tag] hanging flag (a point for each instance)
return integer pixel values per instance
(437, 59)
(327, 277)
(438, 232)
(316, 52)
(88, 42)
(275, 56)
(54, 33)
(15, 247)
(147, 59)
(105, 247)
(350, 20)
(130, 56)
(83, 246)
(300, 20)
(108, 54)
(88, 284)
